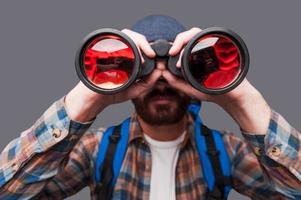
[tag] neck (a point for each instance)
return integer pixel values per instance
(164, 132)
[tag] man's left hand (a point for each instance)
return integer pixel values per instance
(244, 104)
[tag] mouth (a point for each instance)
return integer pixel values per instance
(161, 99)
(162, 94)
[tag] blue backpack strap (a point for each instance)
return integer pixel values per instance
(220, 163)
(224, 160)
(213, 155)
(201, 137)
(194, 108)
(111, 152)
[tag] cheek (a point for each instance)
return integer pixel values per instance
(139, 98)
(138, 102)
(182, 95)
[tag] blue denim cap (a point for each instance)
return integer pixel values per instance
(156, 27)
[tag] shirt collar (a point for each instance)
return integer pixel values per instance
(136, 133)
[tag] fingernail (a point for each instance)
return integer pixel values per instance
(153, 53)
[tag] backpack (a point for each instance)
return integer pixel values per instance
(214, 159)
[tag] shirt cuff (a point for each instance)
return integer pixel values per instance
(55, 125)
(280, 145)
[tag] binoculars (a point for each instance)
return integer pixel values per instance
(214, 61)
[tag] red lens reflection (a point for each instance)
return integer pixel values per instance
(214, 61)
(108, 62)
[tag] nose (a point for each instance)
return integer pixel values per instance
(161, 64)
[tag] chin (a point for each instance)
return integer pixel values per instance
(162, 115)
(161, 111)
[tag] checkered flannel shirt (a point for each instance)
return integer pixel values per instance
(55, 158)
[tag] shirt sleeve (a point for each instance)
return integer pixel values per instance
(78, 171)
(268, 165)
(28, 162)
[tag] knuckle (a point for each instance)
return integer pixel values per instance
(125, 30)
(179, 36)
(143, 38)
(195, 29)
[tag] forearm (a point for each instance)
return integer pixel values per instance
(273, 140)
(82, 104)
(279, 147)
(275, 143)
(248, 108)
(31, 160)
(278, 158)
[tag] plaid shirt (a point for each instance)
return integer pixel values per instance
(54, 159)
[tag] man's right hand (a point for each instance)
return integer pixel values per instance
(83, 104)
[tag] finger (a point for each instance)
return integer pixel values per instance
(177, 44)
(140, 54)
(141, 43)
(183, 86)
(152, 78)
(175, 82)
(144, 85)
(178, 65)
(146, 48)
(182, 39)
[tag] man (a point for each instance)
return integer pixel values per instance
(55, 158)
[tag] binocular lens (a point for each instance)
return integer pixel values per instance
(108, 61)
(215, 61)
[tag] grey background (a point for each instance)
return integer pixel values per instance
(38, 40)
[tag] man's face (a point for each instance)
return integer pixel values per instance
(163, 105)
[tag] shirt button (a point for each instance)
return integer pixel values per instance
(276, 151)
(257, 151)
(14, 166)
(56, 133)
(73, 138)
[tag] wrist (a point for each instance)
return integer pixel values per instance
(82, 105)
(248, 108)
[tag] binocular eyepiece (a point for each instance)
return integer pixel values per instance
(214, 61)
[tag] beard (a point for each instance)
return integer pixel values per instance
(153, 111)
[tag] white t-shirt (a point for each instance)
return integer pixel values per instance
(164, 161)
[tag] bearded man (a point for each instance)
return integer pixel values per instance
(55, 158)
